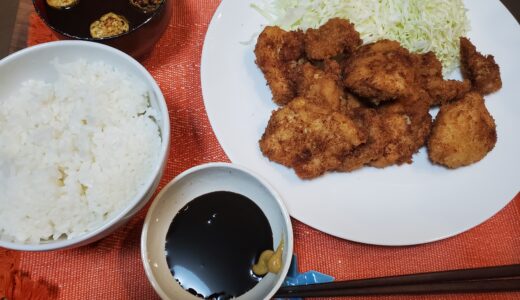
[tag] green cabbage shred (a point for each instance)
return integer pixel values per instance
(419, 25)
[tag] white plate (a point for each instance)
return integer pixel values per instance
(404, 205)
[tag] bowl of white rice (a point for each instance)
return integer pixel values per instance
(84, 139)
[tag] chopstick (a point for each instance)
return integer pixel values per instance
(478, 286)
(487, 279)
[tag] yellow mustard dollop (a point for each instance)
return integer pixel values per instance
(269, 261)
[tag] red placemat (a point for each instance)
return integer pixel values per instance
(112, 269)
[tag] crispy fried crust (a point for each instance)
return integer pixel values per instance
(395, 131)
(377, 139)
(335, 37)
(429, 76)
(482, 70)
(380, 71)
(309, 138)
(407, 124)
(443, 91)
(463, 133)
(277, 52)
(318, 86)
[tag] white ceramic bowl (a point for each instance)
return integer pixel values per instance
(35, 63)
(198, 181)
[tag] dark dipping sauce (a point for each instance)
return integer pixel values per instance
(76, 20)
(213, 242)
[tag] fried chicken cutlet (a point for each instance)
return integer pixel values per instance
(463, 132)
(395, 130)
(429, 76)
(277, 52)
(309, 138)
(407, 125)
(337, 36)
(377, 139)
(483, 71)
(321, 87)
(385, 71)
(349, 106)
(380, 71)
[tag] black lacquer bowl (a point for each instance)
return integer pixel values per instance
(144, 32)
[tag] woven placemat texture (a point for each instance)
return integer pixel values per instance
(112, 269)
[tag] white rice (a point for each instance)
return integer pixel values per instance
(73, 152)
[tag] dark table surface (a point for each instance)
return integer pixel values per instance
(514, 7)
(14, 22)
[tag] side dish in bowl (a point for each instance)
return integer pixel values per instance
(132, 26)
(84, 136)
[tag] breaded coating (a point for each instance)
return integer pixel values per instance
(318, 86)
(380, 71)
(351, 105)
(309, 138)
(443, 91)
(428, 65)
(429, 76)
(333, 68)
(482, 70)
(405, 139)
(377, 139)
(396, 130)
(463, 132)
(333, 38)
(407, 124)
(277, 52)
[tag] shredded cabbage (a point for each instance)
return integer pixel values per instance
(419, 25)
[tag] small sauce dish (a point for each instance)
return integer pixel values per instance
(229, 197)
